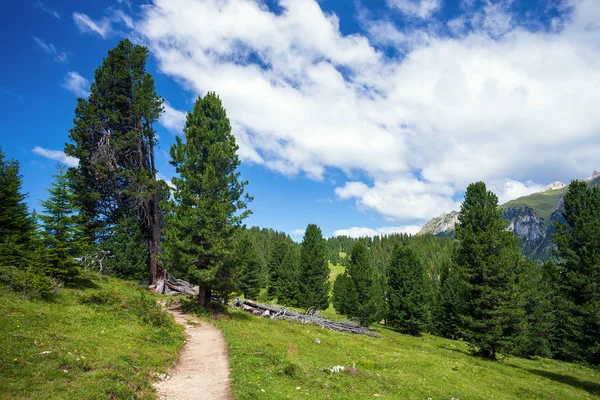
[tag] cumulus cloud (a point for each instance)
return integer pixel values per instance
(49, 48)
(495, 101)
(76, 84)
(416, 8)
(358, 232)
(56, 155)
(173, 119)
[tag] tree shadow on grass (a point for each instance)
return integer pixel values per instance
(82, 282)
(590, 387)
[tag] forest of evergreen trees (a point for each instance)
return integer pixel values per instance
(111, 213)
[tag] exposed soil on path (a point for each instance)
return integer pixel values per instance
(202, 371)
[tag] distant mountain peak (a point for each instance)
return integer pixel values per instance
(595, 174)
(555, 185)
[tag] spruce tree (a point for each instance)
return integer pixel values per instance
(449, 301)
(61, 233)
(288, 285)
(578, 274)
(407, 292)
(249, 264)
(278, 252)
(345, 297)
(488, 256)
(16, 225)
(113, 139)
(209, 204)
(314, 270)
(360, 289)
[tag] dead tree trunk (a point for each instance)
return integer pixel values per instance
(309, 318)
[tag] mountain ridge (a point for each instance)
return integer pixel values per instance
(530, 217)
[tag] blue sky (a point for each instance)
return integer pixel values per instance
(362, 117)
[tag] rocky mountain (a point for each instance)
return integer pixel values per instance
(530, 217)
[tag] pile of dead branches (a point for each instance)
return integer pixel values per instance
(314, 318)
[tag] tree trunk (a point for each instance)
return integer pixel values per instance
(153, 238)
(202, 292)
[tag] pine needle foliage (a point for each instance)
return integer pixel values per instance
(209, 204)
(489, 258)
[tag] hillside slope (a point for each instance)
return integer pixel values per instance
(276, 359)
(102, 340)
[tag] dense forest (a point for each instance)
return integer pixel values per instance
(112, 214)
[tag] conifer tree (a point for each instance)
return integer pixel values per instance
(113, 139)
(578, 275)
(407, 292)
(61, 233)
(249, 265)
(288, 285)
(360, 289)
(489, 257)
(344, 298)
(278, 252)
(449, 302)
(209, 204)
(314, 270)
(16, 225)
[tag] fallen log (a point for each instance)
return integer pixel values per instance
(168, 285)
(309, 318)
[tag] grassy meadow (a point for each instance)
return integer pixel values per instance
(272, 359)
(101, 340)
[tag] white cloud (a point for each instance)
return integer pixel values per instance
(298, 232)
(56, 155)
(173, 119)
(498, 103)
(508, 189)
(401, 199)
(416, 8)
(45, 8)
(86, 24)
(358, 232)
(104, 26)
(49, 48)
(77, 84)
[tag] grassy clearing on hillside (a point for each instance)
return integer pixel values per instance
(334, 271)
(271, 359)
(543, 203)
(105, 341)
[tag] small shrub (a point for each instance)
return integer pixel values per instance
(28, 283)
(291, 369)
(101, 298)
(149, 311)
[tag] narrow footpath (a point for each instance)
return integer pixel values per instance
(202, 371)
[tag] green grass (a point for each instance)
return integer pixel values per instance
(335, 270)
(543, 203)
(98, 335)
(271, 359)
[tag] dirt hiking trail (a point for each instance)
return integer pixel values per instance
(202, 371)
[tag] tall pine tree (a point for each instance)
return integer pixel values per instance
(114, 140)
(278, 252)
(358, 292)
(249, 267)
(407, 292)
(209, 204)
(314, 270)
(288, 285)
(488, 256)
(578, 274)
